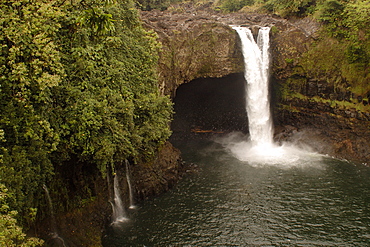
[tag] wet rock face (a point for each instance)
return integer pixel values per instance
(340, 133)
(195, 48)
(159, 175)
(84, 224)
(199, 43)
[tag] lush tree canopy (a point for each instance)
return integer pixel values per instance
(11, 234)
(77, 81)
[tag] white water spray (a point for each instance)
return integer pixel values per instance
(256, 62)
(260, 149)
(130, 189)
(119, 214)
(54, 236)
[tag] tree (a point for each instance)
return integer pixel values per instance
(30, 67)
(111, 109)
(78, 85)
(11, 233)
(234, 5)
(288, 8)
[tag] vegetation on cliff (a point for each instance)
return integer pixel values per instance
(335, 65)
(340, 55)
(11, 234)
(78, 84)
(344, 22)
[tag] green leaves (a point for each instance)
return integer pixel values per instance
(349, 22)
(30, 66)
(288, 8)
(11, 234)
(100, 22)
(234, 5)
(78, 82)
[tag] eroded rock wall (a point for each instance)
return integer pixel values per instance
(198, 42)
(317, 101)
(193, 47)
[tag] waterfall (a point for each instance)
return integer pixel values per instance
(256, 62)
(55, 239)
(260, 148)
(130, 190)
(119, 214)
(51, 210)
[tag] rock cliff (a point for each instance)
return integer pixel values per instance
(91, 195)
(193, 47)
(198, 42)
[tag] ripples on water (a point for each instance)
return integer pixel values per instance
(230, 202)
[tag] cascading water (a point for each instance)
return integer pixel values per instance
(256, 60)
(51, 209)
(131, 194)
(119, 214)
(55, 239)
(260, 149)
(235, 203)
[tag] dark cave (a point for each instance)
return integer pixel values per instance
(210, 105)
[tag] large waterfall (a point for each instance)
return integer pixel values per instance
(256, 62)
(260, 148)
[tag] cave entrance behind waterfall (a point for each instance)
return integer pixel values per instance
(210, 105)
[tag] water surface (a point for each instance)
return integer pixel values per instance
(231, 202)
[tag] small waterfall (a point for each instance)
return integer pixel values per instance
(131, 194)
(53, 223)
(55, 239)
(119, 214)
(256, 61)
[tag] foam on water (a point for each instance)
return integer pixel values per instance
(286, 155)
(259, 148)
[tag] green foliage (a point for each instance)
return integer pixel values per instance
(147, 5)
(329, 11)
(11, 233)
(78, 83)
(287, 8)
(234, 5)
(328, 61)
(30, 66)
(358, 24)
(357, 13)
(112, 108)
(100, 22)
(348, 22)
(289, 60)
(274, 30)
